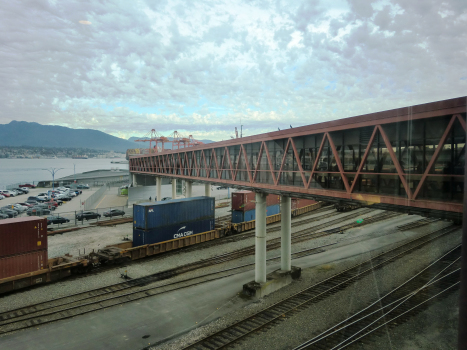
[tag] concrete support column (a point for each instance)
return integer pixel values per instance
(159, 187)
(260, 241)
(189, 187)
(207, 190)
(134, 180)
(174, 188)
(286, 237)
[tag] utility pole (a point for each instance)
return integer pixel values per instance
(74, 172)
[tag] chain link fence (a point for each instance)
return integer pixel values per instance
(81, 217)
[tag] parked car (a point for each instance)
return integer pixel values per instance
(21, 190)
(3, 216)
(114, 212)
(27, 185)
(32, 202)
(43, 195)
(56, 220)
(29, 205)
(25, 189)
(83, 187)
(19, 207)
(88, 215)
(35, 211)
(222, 187)
(10, 213)
(166, 198)
(54, 202)
(35, 198)
(1, 196)
(11, 207)
(7, 193)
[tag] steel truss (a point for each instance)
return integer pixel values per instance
(218, 163)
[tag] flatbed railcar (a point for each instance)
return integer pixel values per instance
(62, 267)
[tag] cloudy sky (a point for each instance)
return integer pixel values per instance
(203, 67)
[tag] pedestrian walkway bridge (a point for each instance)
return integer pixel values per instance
(409, 158)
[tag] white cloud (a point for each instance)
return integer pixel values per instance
(201, 66)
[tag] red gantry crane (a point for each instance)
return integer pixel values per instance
(175, 138)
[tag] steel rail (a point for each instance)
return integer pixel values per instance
(274, 313)
(25, 316)
(149, 279)
(419, 282)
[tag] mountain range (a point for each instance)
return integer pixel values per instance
(19, 133)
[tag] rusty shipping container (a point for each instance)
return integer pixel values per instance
(22, 235)
(246, 200)
(23, 263)
(298, 203)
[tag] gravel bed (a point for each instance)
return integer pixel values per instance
(318, 317)
(94, 238)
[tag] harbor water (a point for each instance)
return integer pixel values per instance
(32, 170)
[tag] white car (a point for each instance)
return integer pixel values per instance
(2, 196)
(10, 193)
(72, 194)
(25, 189)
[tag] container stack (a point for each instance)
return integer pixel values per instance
(23, 246)
(173, 219)
(244, 204)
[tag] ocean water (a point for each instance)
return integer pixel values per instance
(31, 170)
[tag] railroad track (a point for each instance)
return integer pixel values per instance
(437, 280)
(118, 294)
(416, 224)
(300, 301)
(96, 299)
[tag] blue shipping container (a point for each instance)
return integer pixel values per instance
(148, 216)
(167, 233)
(241, 216)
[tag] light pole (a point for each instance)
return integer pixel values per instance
(53, 171)
(74, 172)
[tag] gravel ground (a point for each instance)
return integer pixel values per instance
(318, 317)
(97, 237)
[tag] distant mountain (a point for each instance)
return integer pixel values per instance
(146, 144)
(33, 134)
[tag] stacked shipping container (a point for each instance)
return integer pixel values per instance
(168, 220)
(23, 246)
(243, 205)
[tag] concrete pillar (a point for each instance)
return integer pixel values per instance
(260, 241)
(134, 181)
(174, 188)
(207, 190)
(286, 237)
(189, 186)
(159, 187)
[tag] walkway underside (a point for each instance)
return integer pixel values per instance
(409, 157)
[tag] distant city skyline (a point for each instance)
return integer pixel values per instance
(206, 67)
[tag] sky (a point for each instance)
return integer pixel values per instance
(205, 67)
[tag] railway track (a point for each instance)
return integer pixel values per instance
(81, 303)
(437, 280)
(300, 301)
(96, 299)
